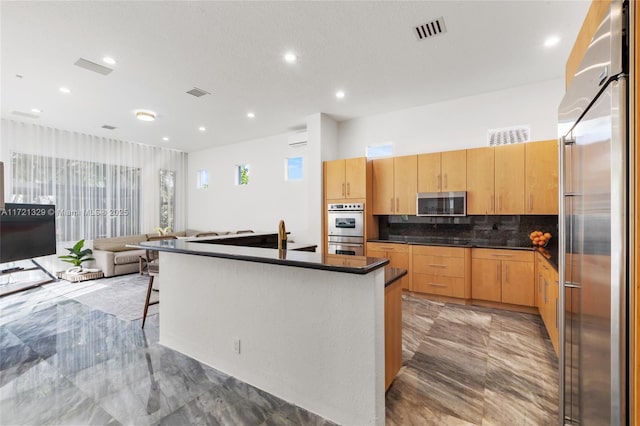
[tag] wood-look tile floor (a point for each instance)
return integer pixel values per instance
(63, 362)
(468, 365)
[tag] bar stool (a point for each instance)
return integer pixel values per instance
(153, 269)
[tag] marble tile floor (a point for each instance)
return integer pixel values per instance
(469, 365)
(63, 362)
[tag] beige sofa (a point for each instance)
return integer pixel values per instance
(113, 257)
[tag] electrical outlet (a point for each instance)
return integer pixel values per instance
(236, 345)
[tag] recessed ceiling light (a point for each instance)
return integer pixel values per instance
(551, 41)
(251, 115)
(290, 58)
(202, 128)
(36, 110)
(65, 90)
(340, 94)
(109, 60)
(145, 115)
(165, 139)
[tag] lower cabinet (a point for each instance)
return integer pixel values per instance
(504, 276)
(547, 289)
(398, 255)
(443, 271)
(392, 332)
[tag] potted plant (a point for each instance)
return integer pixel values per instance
(77, 256)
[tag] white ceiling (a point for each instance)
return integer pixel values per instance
(234, 50)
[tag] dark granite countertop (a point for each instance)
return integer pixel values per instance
(549, 253)
(293, 256)
(392, 275)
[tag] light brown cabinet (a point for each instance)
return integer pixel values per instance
(442, 271)
(547, 288)
(392, 332)
(398, 255)
(509, 175)
(541, 177)
(480, 181)
(395, 185)
(505, 276)
(442, 171)
(346, 179)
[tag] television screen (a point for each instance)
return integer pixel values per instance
(27, 231)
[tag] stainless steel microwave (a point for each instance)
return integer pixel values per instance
(441, 204)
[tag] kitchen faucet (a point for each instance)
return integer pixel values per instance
(282, 236)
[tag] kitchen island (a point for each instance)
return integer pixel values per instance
(303, 326)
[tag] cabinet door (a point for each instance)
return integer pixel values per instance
(454, 171)
(400, 260)
(518, 283)
(480, 181)
(383, 197)
(405, 184)
(509, 172)
(552, 299)
(356, 177)
(373, 252)
(334, 179)
(429, 176)
(485, 279)
(541, 177)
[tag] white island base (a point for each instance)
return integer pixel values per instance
(314, 338)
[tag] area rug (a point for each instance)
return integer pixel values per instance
(122, 296)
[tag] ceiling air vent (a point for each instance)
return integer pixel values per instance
(108, 127)
(197, 92)
(25, 114)
(92, 66)
(509, 135)
(431, 29)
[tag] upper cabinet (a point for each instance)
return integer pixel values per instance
(480, 181)
(541, 177)
(346, 179)
(509, 175)
(395, 185)
(442, 171)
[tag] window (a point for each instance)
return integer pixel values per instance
(375, 151)
(242, 174)
(293, 168)
(167, 199)
(93, 200)
(202, 179)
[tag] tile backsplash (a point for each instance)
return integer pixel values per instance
(513, 230)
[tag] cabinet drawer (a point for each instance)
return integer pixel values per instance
(439, 265)
(390, 247)
(510, 255)
(434, 284)
(441, 251)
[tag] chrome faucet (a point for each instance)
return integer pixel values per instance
(282, 236)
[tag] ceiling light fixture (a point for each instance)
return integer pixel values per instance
(166, 139)
(251, 115)
(340, 94)
(65, 90)
(290, 58)
(109, 60)
(145, 116)
(551, 41)
(36, 110)
(202, 128)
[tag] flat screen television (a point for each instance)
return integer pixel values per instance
(27, 231)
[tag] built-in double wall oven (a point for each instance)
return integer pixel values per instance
(346, 229)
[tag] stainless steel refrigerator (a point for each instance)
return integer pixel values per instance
(593, 222)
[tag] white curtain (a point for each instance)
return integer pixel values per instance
(101, 187)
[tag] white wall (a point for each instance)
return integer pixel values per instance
(456, 124)
(225, 206)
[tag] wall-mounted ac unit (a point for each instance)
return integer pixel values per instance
(298, 138)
